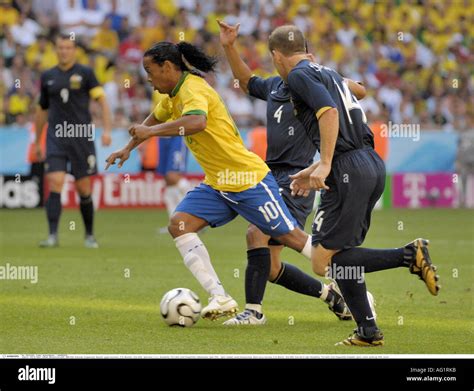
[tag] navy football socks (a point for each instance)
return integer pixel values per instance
(256, 274)
(53, 211)
(87, 212)
(371, 260)
(296, 280)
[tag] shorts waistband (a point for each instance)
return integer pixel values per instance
(352, 152)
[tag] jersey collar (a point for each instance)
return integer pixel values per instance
(180, 83)
(303, 62)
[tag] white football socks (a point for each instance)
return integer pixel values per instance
(197, 260)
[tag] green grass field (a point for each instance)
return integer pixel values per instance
(115, 314)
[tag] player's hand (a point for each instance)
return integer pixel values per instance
(139, 132)
(318, 176)
(106, 138)
(300, 185)
(39, 152)
(228, 33)
(122, 154)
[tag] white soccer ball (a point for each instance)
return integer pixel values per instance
(180, 307)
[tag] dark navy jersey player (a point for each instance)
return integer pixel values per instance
(66, 90)
(351, 178)
(289, 150)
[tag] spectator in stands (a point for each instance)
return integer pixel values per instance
(412, 73)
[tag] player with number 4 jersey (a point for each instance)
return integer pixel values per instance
(289, 150)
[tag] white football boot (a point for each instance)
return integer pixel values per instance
(248, 317)
(219, 306)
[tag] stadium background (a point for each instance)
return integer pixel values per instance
(415, 57)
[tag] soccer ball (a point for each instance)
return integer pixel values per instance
(180, 307)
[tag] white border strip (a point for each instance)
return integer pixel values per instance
(234, 356)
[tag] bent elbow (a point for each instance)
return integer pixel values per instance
(361, 94)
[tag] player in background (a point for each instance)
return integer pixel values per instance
(351, 177)
(289, 150)
(237, 181)
(66, 90)
(172, 165)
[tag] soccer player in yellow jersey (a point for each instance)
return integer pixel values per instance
(237, 182)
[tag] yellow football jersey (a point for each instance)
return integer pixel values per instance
(219, 149)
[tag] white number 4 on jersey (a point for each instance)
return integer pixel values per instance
(278, 114)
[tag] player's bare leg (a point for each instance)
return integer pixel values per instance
(84, 189)
(276, 265)
(183, 227)
(53, 207)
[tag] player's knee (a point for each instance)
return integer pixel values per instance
(274, 271)
(176, 226)
(295, 239)
(319, 268)
(55, 183)
(320, 263)
(84, 187)
(256, 238)
(183, 223)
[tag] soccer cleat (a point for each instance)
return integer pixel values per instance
(248, 317)
(421, 265)
(337, 304)
(219, 306)
(90, 242)
(356, 339)
(51, 242)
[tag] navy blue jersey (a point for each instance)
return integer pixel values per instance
(288, 145)
(314, 88)
(66, 95)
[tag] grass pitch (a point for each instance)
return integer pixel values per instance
(106, 300)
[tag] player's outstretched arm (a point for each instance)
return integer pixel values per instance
(241, 71)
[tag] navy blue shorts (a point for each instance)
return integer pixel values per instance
(75, 156)
(356, 182)
(299, 207)
(172, 156)
(260, 205)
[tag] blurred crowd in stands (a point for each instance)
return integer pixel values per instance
(416, 57)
